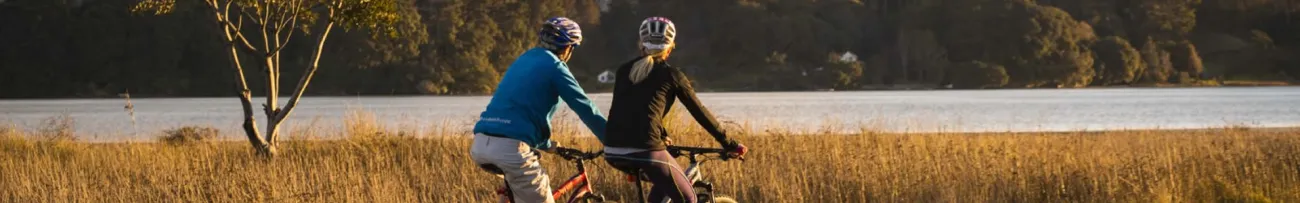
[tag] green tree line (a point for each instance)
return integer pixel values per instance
(98, 48)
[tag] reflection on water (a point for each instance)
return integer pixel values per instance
(898, 111)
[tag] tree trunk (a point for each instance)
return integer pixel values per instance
(250, 126)
(272, 99)
(245, 96)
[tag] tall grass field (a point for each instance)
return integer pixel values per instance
(371, 163)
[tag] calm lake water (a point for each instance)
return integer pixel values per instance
(896, 111)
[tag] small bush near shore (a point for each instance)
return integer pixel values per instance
(189, 135)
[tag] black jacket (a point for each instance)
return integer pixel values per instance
(637, 113)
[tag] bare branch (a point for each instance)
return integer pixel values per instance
(274, 11)
(212, 4)
(239, 34)
(250, 16)
(292, 25)
(276, 50)
(233, 31)
(266, 12)
(266, 43)
(285, 19)
(261, 6)
(222, 20)
(225, 13)
(307, 76)
(298, 7)
(291, 21)
(288, 11)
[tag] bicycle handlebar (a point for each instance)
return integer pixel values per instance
(683, 150)
(575, 154)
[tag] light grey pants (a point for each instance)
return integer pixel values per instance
(528, 181)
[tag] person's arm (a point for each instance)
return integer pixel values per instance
(572, 94)
(686, 93)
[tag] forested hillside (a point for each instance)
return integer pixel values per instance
(98, 48)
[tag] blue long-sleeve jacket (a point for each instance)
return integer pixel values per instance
(528, 95)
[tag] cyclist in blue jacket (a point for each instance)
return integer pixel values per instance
(518, 119)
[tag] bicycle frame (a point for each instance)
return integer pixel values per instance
(696, 176)
(578, 186)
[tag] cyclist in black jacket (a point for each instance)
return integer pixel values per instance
(644, 90)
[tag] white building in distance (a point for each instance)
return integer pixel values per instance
(849, 57)
(606, 77)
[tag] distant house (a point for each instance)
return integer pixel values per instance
(606, 77)
(849, 57)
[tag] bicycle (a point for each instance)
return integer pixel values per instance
(577, 187)
(697, 156)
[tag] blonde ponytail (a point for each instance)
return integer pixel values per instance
(641, 69)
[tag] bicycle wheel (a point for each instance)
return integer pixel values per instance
(704, 195)
(723, 199)
(595, 199)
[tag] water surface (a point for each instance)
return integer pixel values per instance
(896, 111)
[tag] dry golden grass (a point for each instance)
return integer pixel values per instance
(1234, 165)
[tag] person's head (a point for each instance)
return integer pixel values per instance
(656, 42)
(561, 36)
(657, 36)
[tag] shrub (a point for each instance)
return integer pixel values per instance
(361, 124)
(189, 135)
(12, 141)
(979, 75)
(1159, 66)
(364, 126)
(9, 131)
(1185, 59)
(58, 129)
(1039, 45)
(1117, 61)
(841, 74)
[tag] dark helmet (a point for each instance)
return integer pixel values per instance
(560, 32)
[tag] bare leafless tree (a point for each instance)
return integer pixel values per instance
(276, 21)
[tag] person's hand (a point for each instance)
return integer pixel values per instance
(737, 151)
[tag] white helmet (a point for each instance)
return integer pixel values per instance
(657, 33)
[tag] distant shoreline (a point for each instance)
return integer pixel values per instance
(1226, 84)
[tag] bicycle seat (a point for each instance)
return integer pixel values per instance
(491, 168)
(630, 172)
